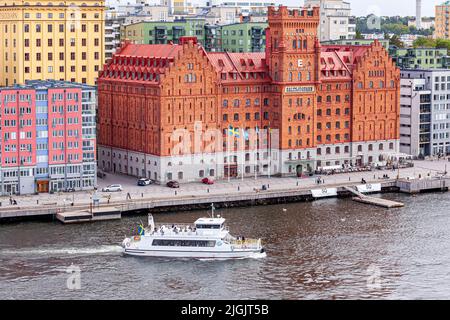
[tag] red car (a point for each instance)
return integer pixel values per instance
(207, 181)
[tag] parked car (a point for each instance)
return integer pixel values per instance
(173, 184)
(113, 188)
(207, 181)
(69, 190)
(101, 174)
(144, 182)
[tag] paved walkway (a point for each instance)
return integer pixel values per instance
(421, 168)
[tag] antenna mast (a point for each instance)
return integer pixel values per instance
(212, 210)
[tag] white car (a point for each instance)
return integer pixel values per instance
(144, 182)
(113, 188)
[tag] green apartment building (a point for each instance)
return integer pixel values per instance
(244, 37)
(420, 58)
(237, 37)
(357, 42)
(160, 32)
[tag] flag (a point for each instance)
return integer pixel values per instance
(245, 134)
(233, 132)
(141, 230)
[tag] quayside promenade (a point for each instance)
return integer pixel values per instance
(192, 195)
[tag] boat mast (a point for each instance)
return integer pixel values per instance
(212, 210)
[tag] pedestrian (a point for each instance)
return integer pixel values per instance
(128, 196)
(323, 181)
(10, 200)
(109, 198)
(239, 188)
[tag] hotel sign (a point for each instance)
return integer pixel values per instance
(300, 89)
(8, 16)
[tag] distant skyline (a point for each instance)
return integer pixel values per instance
(384, 7)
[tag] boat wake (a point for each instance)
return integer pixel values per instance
(64, 251)
(253, 256)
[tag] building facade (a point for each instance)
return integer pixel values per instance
(159, 32)
(357, 42)
(425, 112)
(336, 21)
(244, 37)
(442, 21)
(61, 40)
(236, 37)
(420, 58)
(48, 137)
(294, 108)
(246, 7)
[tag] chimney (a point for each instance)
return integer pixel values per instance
(419, 14)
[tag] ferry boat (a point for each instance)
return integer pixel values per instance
(207, 238)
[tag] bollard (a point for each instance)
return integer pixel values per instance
(142, 195)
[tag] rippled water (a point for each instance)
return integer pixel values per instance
(330, 249)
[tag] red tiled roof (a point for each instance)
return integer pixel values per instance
(340, 58)
(240, 63)
(150, 50)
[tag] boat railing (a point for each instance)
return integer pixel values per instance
(246, 244)
(175, 225)
(179, 229)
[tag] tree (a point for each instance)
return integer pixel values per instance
(423, 42)
(358, 36)
(395, 41)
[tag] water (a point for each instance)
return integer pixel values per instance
(330, 249)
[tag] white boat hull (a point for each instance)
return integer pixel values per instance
(236, 254)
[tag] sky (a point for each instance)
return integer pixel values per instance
(384, 7)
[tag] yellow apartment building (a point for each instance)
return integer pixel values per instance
(442, 21)
(61, 40)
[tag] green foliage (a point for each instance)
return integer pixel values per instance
(423, 42)
(394, 41)
(395, 25)
(358, 35)
(432, 43)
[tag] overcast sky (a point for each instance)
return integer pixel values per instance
(384, 7)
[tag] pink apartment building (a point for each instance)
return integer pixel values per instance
(48, 139)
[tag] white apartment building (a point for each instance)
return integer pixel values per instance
(336, 22)
(246, 6)
(425, 112)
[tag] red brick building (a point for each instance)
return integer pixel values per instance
(165, 111)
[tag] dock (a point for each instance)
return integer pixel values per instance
(95, 214)
(413, 186)
(362, 198)
(84, 212)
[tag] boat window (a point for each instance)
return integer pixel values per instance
(208, 226)
(183, 243)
